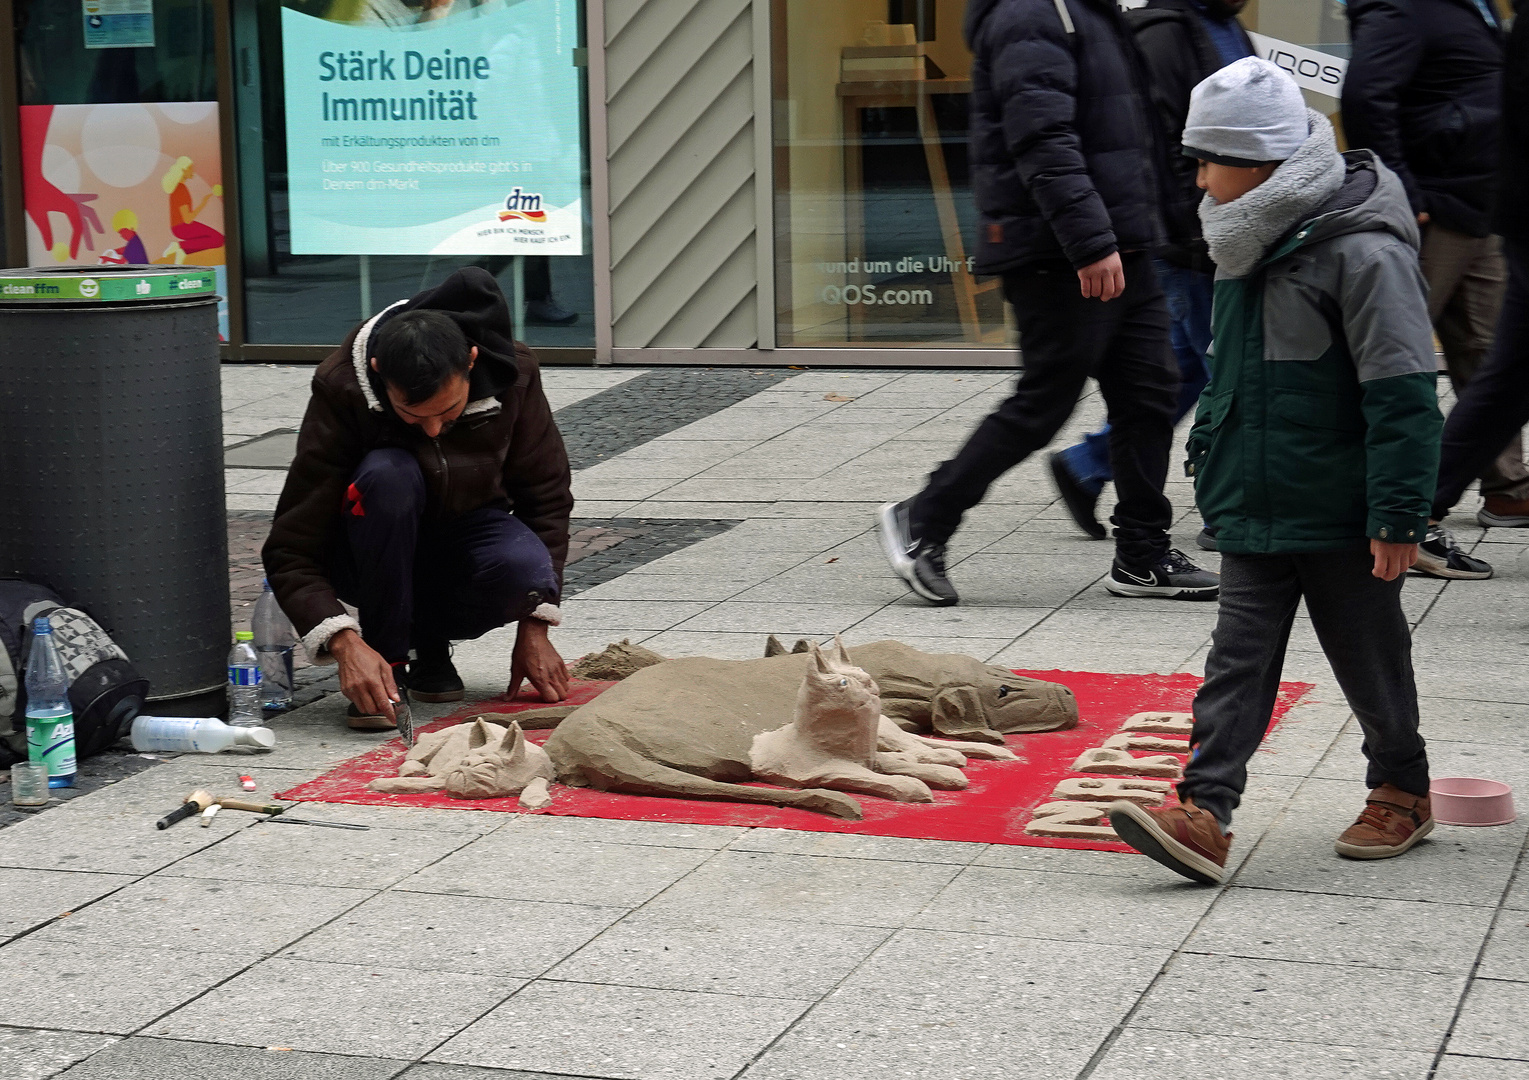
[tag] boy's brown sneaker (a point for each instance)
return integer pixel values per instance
(1184, 838)
(1391, 822)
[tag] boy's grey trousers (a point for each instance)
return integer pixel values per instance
(1358, 620)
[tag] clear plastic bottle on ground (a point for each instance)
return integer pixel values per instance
(244, 682)
(274, 640)
(196, 735)
(50, 717)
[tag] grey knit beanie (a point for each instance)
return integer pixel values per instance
(1248, 113)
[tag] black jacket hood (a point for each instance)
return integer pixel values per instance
(473, 300)
(976, 11)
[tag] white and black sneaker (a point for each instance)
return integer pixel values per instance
(1171, 577)
(1440, 556)
(920, 564)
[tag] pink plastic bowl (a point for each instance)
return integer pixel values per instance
(1464, 800)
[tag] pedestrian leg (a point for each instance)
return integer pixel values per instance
(1259, 595)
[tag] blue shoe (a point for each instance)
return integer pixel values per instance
(1079, 495)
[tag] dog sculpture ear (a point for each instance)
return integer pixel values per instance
(773, 647)
(841, 654)
(820, 662)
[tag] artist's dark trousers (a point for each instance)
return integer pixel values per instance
(1358, 621)
(1065, 339)
(1494, 406)
(425, 583)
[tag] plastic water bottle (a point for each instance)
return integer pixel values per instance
(196, 735)
(274, 639)
(244, 682)
(50, 718)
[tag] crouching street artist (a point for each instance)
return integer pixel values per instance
(431, 491)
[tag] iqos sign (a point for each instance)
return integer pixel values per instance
(1319, 72)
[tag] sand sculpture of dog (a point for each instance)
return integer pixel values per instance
(477, 759)
(688, 727)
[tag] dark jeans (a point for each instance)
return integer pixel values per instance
(1065, 339)
(1359, 622)
(1188, 293)
(1494, 405)
(424, 583)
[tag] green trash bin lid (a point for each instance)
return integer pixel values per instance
(88, 285)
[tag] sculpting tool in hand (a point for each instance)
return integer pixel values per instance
(310, 821)
(405, 719)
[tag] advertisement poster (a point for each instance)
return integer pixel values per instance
(119, 24)
(106, 185)
(436, 128)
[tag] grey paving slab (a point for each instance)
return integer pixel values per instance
(745, 645)
(519, 866)
(1326, 1004)
(781, 619)
(621, 1031)
(34, 1055)
(1454, 865)
(1066, 861)
(1056, 984)
(852, 846)
(1491, 1021)
(474, 1072)
(859, 1042)
(271, 452)
(370, 1011)
(1357, 931)
(408, 818)
(806, 888)
(618, 615)
(114, 989)
(1518, 893)
(1459, 1067)
(1109, 910)
(641, 833)
(30, 898)
(1507, 762)
(669, 587)
(1506, 955)
(1144, 1054)
(908, 619)
(185, 913)
(473, 934)
(733, 955)
(339, 858)
(1455, 720)
(170, 1059)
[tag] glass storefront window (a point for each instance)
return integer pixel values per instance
(317, 299)
(874, 210)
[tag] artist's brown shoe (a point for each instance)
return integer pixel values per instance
(357, 720)
(1391, 822)
(1184, 838)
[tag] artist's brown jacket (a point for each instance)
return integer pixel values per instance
(505, 451)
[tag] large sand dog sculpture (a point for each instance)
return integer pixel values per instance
(702, 728)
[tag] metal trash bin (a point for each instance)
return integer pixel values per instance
(111, 460)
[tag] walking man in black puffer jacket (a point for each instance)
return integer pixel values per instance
(1424, 92)
(1067, 167)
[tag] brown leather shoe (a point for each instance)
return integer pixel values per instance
(1184, 838)
(1391, 822)
(1502, 512)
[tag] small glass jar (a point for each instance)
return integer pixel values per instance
(29, 783)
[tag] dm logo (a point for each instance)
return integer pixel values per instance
(523, 206)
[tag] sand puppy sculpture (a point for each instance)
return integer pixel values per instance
(688, 728)
(476, 759)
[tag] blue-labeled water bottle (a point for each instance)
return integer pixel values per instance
(244, 682)
(50, 718)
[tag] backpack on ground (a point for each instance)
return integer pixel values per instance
(105, 691)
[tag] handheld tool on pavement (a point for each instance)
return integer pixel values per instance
(310, 821)
(194, 803)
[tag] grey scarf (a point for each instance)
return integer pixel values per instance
(1239, 233)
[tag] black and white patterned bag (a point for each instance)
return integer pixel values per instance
(105, 690)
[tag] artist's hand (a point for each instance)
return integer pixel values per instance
(1392, 560)
(537, 661)
(1105, 279)
(366, 679)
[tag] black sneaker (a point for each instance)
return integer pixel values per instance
(357, 720)
(1206, 541)
(435, 678)
(1079, 496)
(1172, 577)
(549, 312)
(1440, 556)
(921, 565)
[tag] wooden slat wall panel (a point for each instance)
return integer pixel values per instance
(681, 146)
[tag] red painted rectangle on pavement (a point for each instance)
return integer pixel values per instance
(993, 809)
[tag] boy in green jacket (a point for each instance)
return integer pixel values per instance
(1314, 453)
